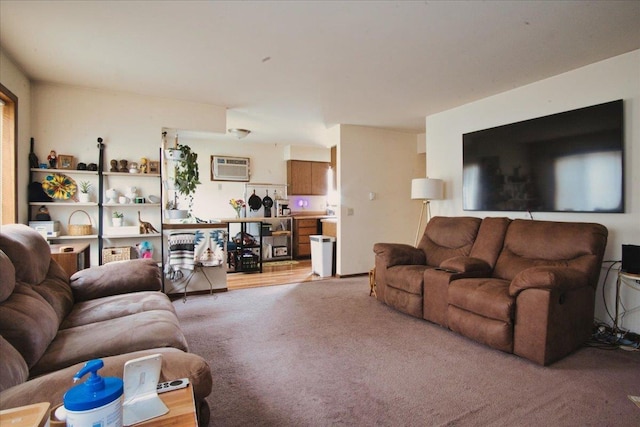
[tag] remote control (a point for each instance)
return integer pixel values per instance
(172, 385)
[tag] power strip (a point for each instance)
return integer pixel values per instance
(172, 385)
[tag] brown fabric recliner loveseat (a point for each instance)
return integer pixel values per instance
(50, 324)
(521, 286)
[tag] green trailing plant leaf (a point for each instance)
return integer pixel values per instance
(187, 176)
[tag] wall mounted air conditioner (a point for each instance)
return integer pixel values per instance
(224, 168)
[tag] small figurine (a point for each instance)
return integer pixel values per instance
(114, 166)
(145, 249)
(143, 165)
(53, 159)
(145, 226)
(131, 194)
(43, 214)
(133, 167)
(123, 166)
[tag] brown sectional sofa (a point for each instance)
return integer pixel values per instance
(521, 286)
(50, 324)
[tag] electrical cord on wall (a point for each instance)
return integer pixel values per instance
(606, 337)
(604, 284)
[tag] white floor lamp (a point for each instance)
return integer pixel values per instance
(425, 189)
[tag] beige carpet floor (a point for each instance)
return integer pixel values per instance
(326, 354)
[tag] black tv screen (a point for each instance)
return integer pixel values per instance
(565, 162)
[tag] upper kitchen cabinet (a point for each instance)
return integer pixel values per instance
(307, 178)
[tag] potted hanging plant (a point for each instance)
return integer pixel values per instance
(185, 180)
(84, 187)
(117, 218)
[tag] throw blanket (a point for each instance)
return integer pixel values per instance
(182, 250)
(192, 248)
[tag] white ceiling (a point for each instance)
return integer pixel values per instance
(289, 70)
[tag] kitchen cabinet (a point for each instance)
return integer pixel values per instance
(302, 229)
(307, 178)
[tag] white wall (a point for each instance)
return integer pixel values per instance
(305, 152)
(615, 78)
(383, 162)
(69, 120)
(17, 82)
(211, 199)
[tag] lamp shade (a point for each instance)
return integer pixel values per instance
(427, 189)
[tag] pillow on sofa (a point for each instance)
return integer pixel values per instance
(117, 277)
(13, 369)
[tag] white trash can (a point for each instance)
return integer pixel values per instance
(322, 255)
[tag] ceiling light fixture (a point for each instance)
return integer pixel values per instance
(239, 133)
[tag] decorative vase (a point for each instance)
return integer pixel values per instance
(112, 195)
(84, 198)
(117, 222)
(176, 213)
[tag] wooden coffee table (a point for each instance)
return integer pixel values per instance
(182, 410)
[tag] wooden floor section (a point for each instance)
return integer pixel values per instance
(298, 272)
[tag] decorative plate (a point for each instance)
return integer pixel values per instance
(59, 186)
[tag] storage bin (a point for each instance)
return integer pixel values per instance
(48, 228)
(248, 261)
(118, 254)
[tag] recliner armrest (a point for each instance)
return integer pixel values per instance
(116, 278)
(399, 254)
(465, 264)
(548, 277)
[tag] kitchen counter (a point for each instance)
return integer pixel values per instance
(330, 226)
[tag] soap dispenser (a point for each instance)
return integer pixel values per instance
(95, 402)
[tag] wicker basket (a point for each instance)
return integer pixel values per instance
(79, 229)
(117, 254)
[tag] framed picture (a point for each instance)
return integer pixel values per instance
(154, 167)
(65, 162)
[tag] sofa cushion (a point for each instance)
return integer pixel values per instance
(51, 387)
(531, 243)
(486, 297)
(448, 237)
(408, 278)
(13, 369)
(116, 278)
(140, 331)
(106, 308)
(28, 250)
(7, 276)
(28, 322)
(490, 239)
(56, 291)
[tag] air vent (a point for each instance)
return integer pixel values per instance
(229, 168)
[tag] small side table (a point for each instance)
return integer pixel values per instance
(629, 279)
(182, 410)
(72, 261)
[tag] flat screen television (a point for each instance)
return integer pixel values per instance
(565, 162)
